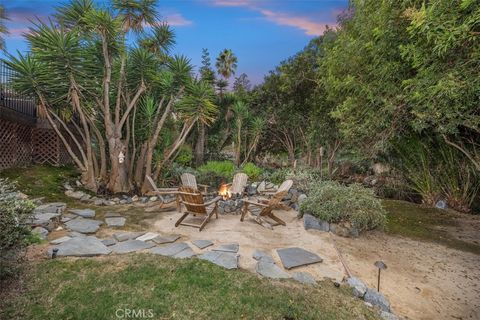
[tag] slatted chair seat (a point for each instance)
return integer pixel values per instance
(265, 210)
(160, 192)
(194, 205)
(189, 180)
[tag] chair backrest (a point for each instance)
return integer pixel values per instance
(193, 200)
(154, 187)
(281, 192)
(189, 180)
(239, 183)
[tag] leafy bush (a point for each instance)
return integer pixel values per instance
(14, 232)
(252, 171)
(278, 175)
(302, 178)
(185, 156)
(224, 169)
(333, 202)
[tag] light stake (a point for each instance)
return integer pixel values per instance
(381, 266)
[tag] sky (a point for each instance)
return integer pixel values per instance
(261, 33)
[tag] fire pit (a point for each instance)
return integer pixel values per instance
(231, 203)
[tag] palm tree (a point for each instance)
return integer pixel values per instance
(241, 114)
(160, 41)
(3, 28)
(136, 13)
(226, 63)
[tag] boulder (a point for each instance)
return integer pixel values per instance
(301, 198)
(310, 222)
(377, 299)
(359, 288)
(41, 232)
(388, 316)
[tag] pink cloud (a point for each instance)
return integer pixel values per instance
(16, 33)
(232, 3)
(178, 20)
(310, 27)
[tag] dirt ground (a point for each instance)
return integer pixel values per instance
(423, 280)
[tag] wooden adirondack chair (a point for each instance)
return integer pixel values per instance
(193, 201)
(189, 180)
(165, 191)
(266, 207)
(239, 183)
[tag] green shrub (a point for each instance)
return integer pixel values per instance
(14, 232)
(333, 202)
(252, 171)
(278, 175)
(185, 156)
(302, 178)
(224, 169)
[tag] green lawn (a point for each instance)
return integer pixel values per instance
(414, 221)
(95, 288)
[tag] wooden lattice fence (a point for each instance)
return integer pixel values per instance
(15, 144)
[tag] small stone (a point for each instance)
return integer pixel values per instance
(261, 255)
(75, 194)
(109, 241)
(310, 222)
(304, 277)
(232, 247)
(85, 198)
(123, 201)
(123, 236)
(109, 203)
(202, 244)
(99, 202)
(130, 246)
(358, 286)
(67, 186)
(270, 270)
(41, 232)
(135, 198)
(60, 240)
(377, 299)
(115, 221)
(85, 213)
(147, 236)
(301, 198)
(153, 198)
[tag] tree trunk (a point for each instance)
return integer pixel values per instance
(200, 145)
(118, 179)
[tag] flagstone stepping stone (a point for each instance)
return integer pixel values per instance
(109, 241)
(187, 253)
(295, 257)
(202, 244)
(112, 215)
(67, 217)
(53, 207)
(123, 236)
(41, 232)
(148, 236)
(270, 270)
(171, 249)
(115, 221)
(85, 213)
(81, 247)
(75, 234)
(83, 225)
(304, 277)
(60, 240)
(262, 255)
(130, 246)
(227, 260)
(166, 239)
(232, 247)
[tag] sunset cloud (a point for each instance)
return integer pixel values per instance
(311, 28)
(232, 3)
(16, 33)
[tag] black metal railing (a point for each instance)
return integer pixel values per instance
(9, 99)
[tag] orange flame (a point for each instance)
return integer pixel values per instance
(224, 191)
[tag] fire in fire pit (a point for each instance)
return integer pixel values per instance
(231, 203)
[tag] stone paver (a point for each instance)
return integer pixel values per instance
(130, 246)
(166, 239)
(171, 249)
(124, 236)
(85, 213)
(44, 218)
(60, 240)
(81, 247)
(53, 207)
(112, 214)
(295, 257)
(147, 236)
(202, 244)
(232, 247)
(226, 260)
(262, 255)
(270, 270)
(304, 277)
(83, 225)
(115, 221)
(187, 253)
(109, 241)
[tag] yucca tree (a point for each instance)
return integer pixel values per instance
(3, 28)
(89, 82)
(240, 110)
(257, 128)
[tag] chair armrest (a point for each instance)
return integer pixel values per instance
(255, 203)
(213, 201)
(203, 185)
